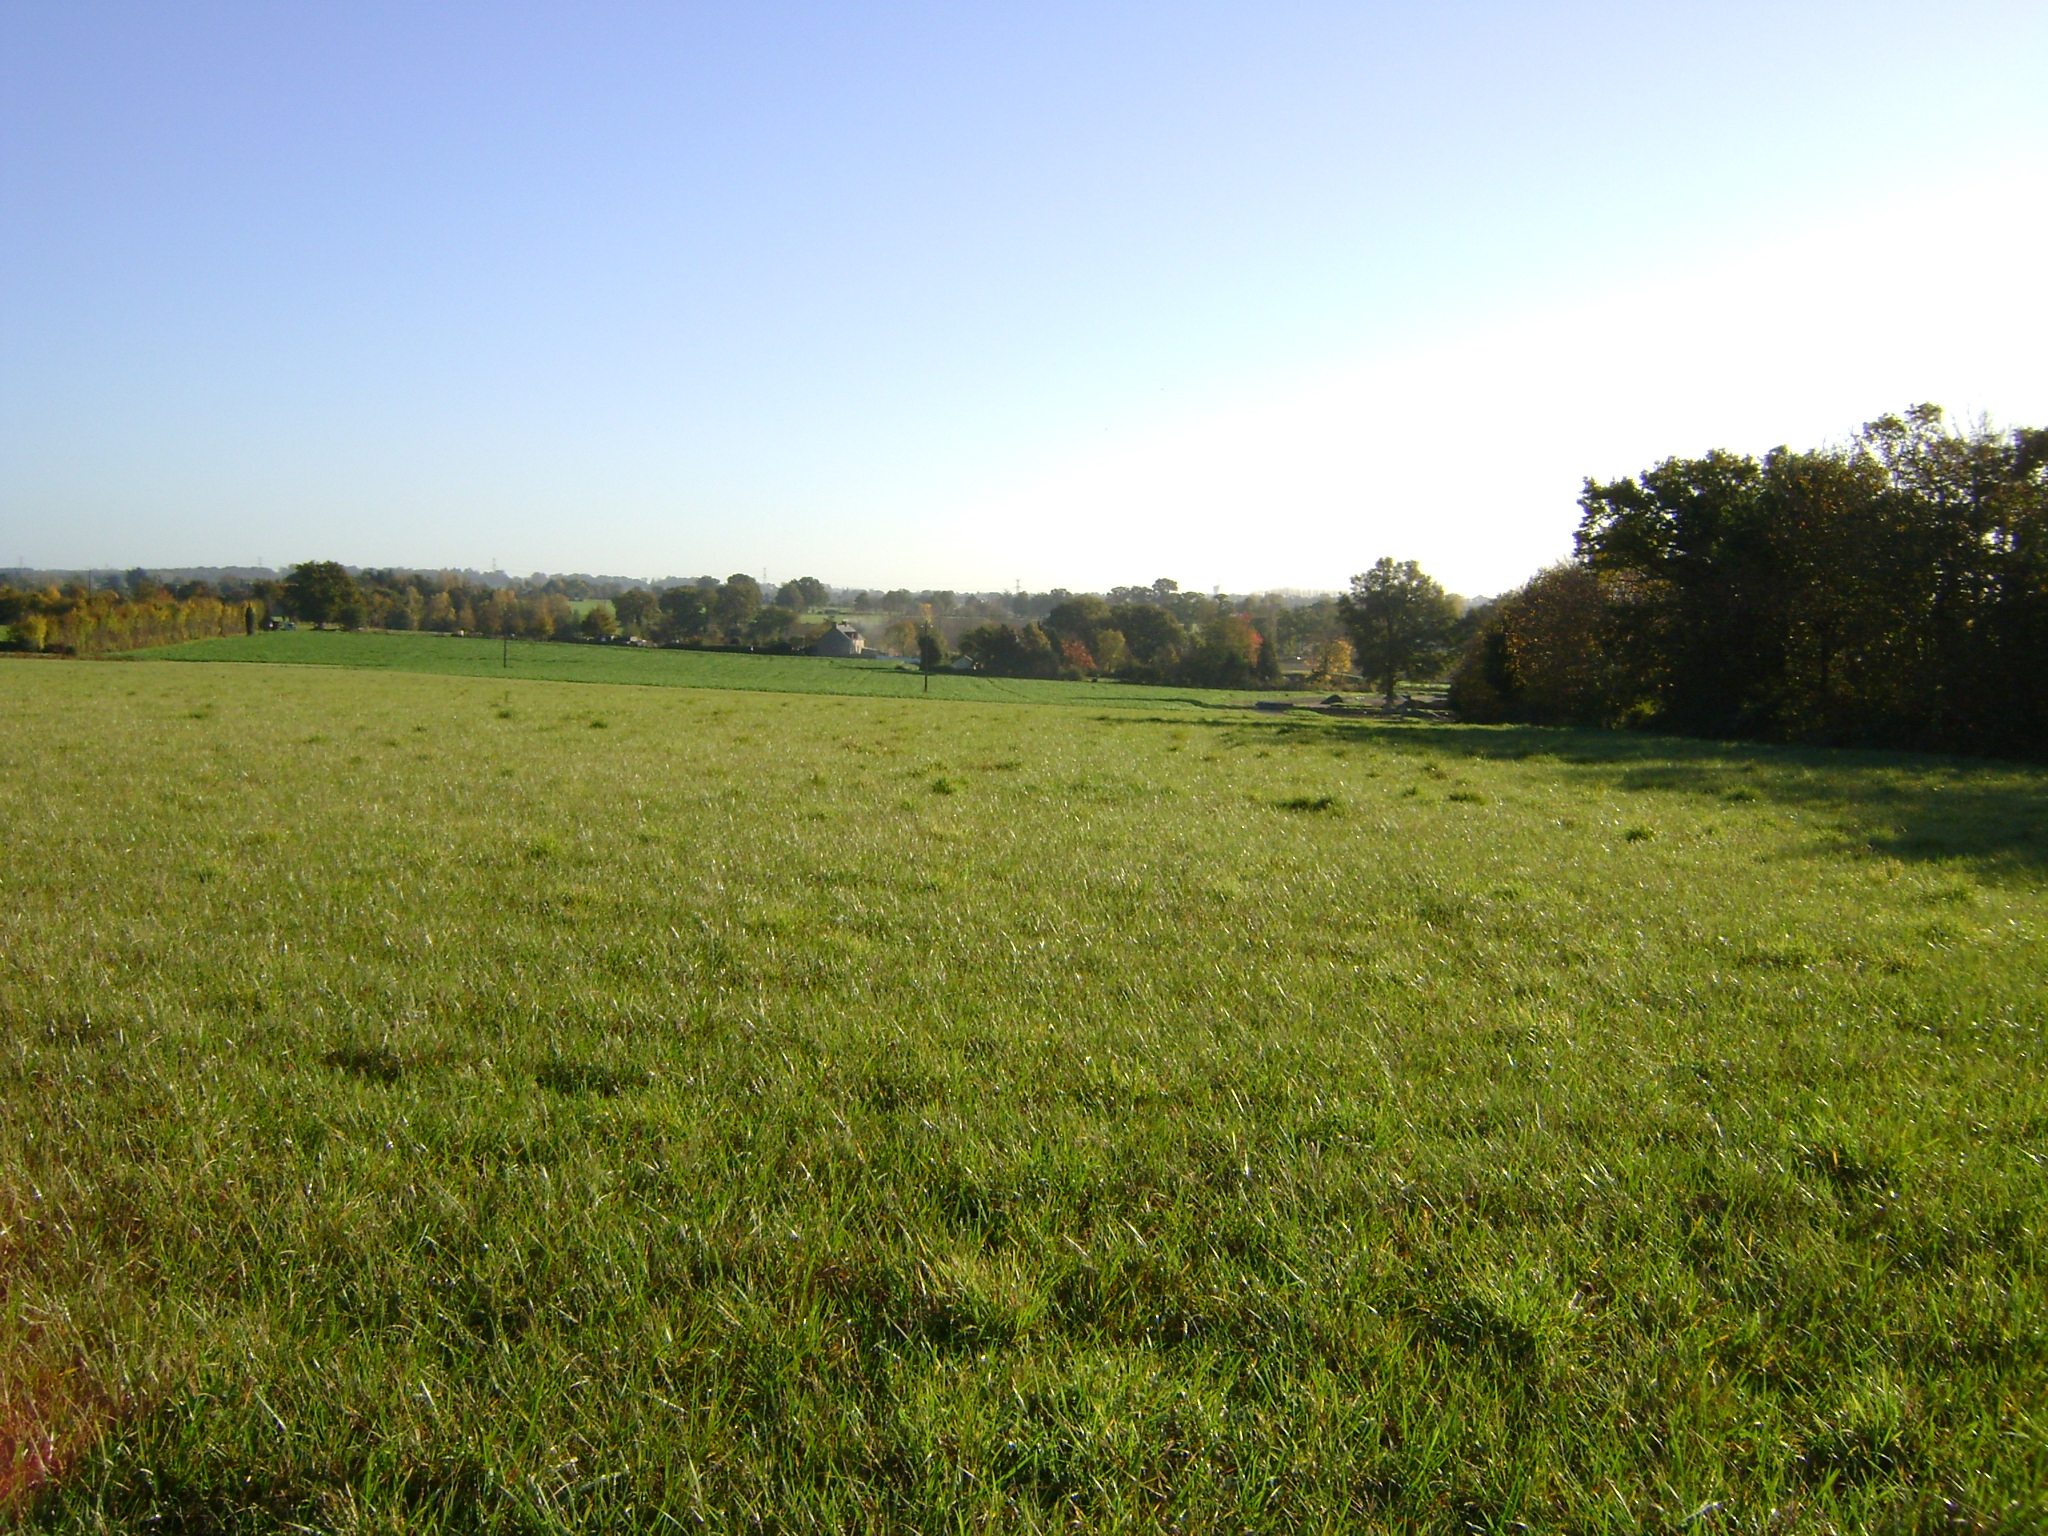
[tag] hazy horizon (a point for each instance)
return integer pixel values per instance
(962, 299)
(116, 574)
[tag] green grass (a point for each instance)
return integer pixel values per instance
(421, 1110)
(469, 657)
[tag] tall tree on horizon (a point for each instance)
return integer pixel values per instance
(1399, 618)
(736, 603)
(320, 591)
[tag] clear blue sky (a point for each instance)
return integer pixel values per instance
(965, 294)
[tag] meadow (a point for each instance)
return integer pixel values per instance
(470, 656)
(468, 1103)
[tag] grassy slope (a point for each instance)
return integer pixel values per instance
(450, 1103)
(672, 669)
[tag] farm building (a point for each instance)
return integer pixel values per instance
(842, 639)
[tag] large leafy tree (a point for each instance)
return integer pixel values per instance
(1227, 655)
(1084, 622)
(635, 607)
(1005, 652)
(736, 603)
(1329, 663)
(1400, 621)
(1689, 552)
(320, 591)
(685, 612)
(1078, 618)
(772, 623)
(1154, 637)
(803, 595)
(1538, 653)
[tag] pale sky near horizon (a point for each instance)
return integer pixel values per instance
(967, 295)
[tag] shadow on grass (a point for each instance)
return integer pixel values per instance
(1988, 815)
(579, 1077)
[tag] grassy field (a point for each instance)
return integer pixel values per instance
(670, 669)
(461, 1103)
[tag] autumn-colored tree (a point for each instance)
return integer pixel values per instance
(1112, 656)
(89, 623)
(500, 615)
(1538, 655)
(1227, 655)
(1329, 663)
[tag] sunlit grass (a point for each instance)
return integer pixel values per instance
(524, 660)
(421, 1110)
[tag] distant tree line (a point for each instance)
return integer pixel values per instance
(1164, 636)
(1151, 633)
(84, 620)
(1158, 634)
(1890, 591)
(706, 611)
(1155, 632)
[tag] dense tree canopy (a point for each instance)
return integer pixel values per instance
(803, 594)
(635, 608)
(1155, 632)
(85, 621)
(320, 591)
(1893, 590)
(685, 613)
(736, 602)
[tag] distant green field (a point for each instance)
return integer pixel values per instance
(469, 1103)
(669, 669)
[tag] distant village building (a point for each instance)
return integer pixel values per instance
(842, 639)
